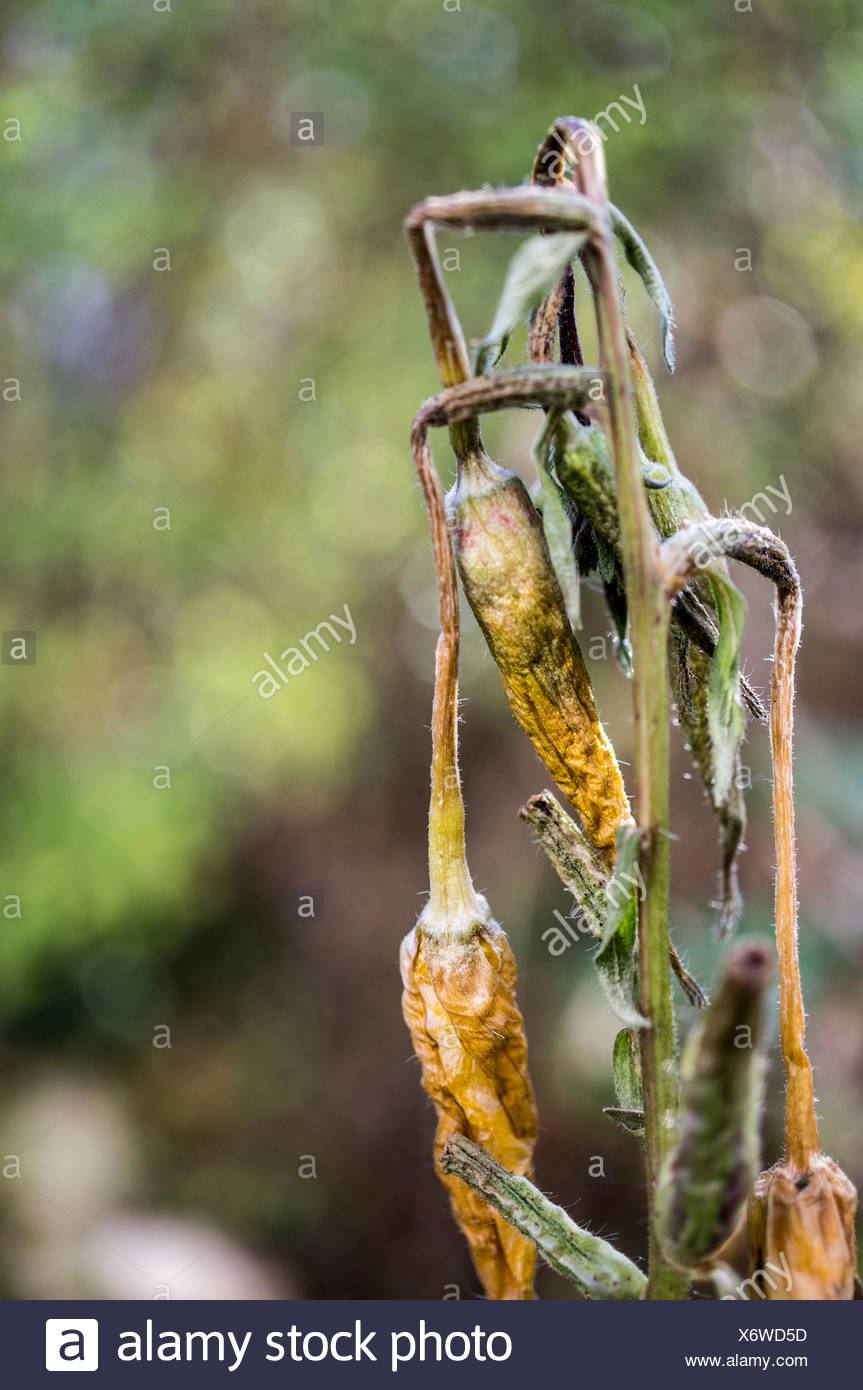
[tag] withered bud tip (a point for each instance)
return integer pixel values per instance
(749, 967)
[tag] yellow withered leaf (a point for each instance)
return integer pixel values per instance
(460, 1006)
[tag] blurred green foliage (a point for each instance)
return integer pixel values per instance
(144, 131)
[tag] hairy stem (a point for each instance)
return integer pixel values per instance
(649, 619)
(445, 331)
(801, 1125)
(549, 386)
(449, 877)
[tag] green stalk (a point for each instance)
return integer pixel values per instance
(649, 611)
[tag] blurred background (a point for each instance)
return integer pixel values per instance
(213, 350)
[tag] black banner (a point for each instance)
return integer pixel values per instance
(424, 1344)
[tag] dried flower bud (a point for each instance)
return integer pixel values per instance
(515, 596)
(803, 1223)
(459, 974)
(459, 1004)
(708, 1175)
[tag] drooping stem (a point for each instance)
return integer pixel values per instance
(445, 330)
(450, 886)
(801, 1125)
(515, 208)
(649, 620)
(560, 388)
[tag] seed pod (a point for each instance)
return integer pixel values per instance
(708, 1175)
(803, 1224)
(459, 1004)
(515, 596)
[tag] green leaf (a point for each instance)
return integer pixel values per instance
(584, 469)
(641, 261)
(574, 858)
(594, 1265)
(607, 560)
(556, 525)
(535, 269)
(630, 1120)
(627, 1072)
(724, 708)
(616, 960)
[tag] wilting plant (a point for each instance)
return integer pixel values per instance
(611, 498)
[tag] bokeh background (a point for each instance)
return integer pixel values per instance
(207, 1092)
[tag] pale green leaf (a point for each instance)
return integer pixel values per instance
(616, 960)
(535, 269)
(557, 527)
(627, 1073)
(641, 261)
(724, 706)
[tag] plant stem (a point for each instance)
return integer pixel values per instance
(649, 620)
(450, 887)
(445, 330)
(801, 1126)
